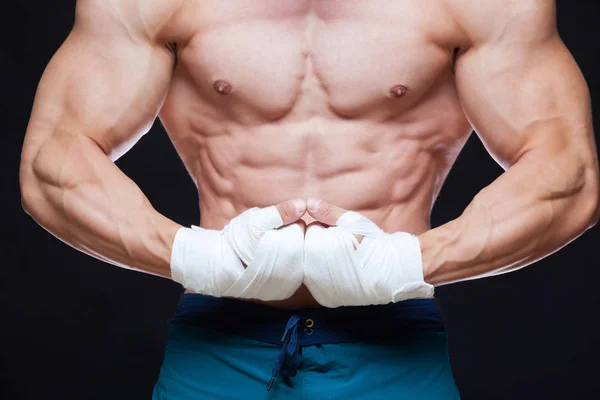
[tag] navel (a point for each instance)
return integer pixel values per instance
(222, 87)
(398, 91)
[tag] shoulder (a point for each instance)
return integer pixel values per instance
(503, 20)
(139, 19)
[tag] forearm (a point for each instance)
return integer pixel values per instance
(538, 206)
(73, 190)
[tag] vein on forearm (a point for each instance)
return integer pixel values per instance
(530, 211)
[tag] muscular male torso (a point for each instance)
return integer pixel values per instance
(350, 101)
(355, 102)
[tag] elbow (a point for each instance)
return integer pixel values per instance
(582, 186)
(28, 180)
(590, 201)
(36, 203)
(25, 203)
(580, 209)
(29, 196)
(594, 220)
(32, 198)
(595, 207)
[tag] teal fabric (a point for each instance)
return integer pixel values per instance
(202, 363)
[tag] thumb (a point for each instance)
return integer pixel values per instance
(291, 211)
(324, 211)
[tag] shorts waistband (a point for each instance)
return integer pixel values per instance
(316, 325)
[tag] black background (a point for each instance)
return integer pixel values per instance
(76, 328)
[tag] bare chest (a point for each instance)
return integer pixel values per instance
(272, 58)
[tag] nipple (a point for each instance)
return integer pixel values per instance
(222, 87)
(398, 91)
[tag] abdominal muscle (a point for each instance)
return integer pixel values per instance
(387, 171)
(258, 142)
(354, 104)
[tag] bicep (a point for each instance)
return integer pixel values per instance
(103, 84)
(523, 91)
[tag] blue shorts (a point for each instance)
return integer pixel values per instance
(228, 349)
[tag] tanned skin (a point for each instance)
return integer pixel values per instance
(364, 106)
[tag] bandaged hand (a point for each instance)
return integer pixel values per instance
(250, 258)
(340, 271)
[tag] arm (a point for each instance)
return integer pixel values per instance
(529, 104)
(98, 95)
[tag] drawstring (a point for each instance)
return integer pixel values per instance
(289, 358)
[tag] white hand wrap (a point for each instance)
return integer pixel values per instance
(210, 261)
(384, 267)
